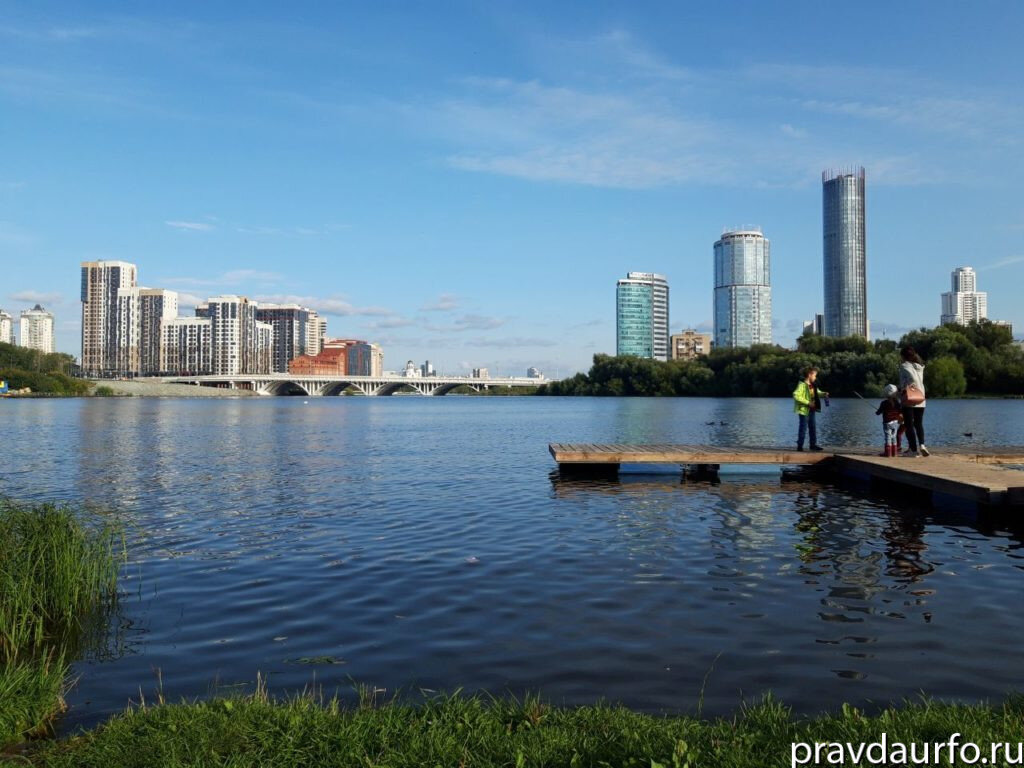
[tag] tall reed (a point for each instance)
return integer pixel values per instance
(58, 576)
(58, 584)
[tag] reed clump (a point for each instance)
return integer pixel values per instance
(58, 583)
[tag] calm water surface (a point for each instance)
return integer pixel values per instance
(426, 543)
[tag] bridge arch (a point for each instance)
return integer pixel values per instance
(285, 387)
(336, 388)
(389, 388)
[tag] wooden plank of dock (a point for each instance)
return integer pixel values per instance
(951, 475)
(591, 453)
(964, 474)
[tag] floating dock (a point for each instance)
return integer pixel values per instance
(975, 476)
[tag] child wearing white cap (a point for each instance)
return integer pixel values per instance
(891, 411)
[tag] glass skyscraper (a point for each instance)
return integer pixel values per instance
(846, 301)
(641, 315)
(743, 289)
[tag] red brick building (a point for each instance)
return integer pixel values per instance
(332, 360)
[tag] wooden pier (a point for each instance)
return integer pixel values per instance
(975, 476)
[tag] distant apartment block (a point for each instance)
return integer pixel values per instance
(37, 329)
(481, 373)
(427, 369)
(743, 289)
(100, 284)
(239, 342)
(364, 359)
(297, 331)
(641, 315)
(156, 307)
(534, 373)
(6, 328)
(815, 327)
(186, 346)
(689, 345)
(964, 303)
(140, 314)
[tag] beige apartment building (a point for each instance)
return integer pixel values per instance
(689, 345)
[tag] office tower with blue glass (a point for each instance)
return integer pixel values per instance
(743, 289)
(641, 316)
(846, 300)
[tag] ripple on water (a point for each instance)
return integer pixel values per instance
(403, 542)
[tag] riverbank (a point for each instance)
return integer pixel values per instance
(308, 730)
(144, 388)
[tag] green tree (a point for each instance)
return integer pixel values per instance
(944, 377)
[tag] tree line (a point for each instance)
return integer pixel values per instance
(41, 372)
(977, 359)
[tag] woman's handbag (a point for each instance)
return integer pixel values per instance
(912, 396)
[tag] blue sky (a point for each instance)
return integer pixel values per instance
(466, 181)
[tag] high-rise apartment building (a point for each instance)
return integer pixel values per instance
(101, 282)
(239, 342)
(37, 329)
(297, 331)
(156, 307)
(641, 315)
(365, 359)
(964, 304)
(6, 328)
(140, 314)
(845, 252)
(186, 346)
(743, 289)
(689, 345)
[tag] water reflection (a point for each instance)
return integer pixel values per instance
(427, 541)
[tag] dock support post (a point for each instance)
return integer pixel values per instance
(701, 472)
(597, 471)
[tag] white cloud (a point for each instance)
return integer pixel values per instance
(390, 323)
(468, 323)
(326, 306)
(189, 300)
(613, 113)
(446, 302)
(1003, 263)
(231, 279)
(37, 297)
(190, 226)
(510, 342)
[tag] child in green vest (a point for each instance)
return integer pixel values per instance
(806, 403)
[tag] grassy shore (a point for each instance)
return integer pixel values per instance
(476, 731)
(58, 578)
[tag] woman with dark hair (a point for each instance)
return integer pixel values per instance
(913, 399)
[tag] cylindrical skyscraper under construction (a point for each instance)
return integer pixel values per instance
(846, 299)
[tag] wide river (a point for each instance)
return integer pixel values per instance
(427, 543)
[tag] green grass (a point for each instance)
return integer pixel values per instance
(57, 571)
(58, 581)
(257, 730)
(31, 694)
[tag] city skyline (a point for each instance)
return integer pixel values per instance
(469, 197)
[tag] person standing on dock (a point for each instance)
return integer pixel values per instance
(912, 396)
(806, 403)
(891, 411)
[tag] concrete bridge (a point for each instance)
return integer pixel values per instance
(326, 386)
